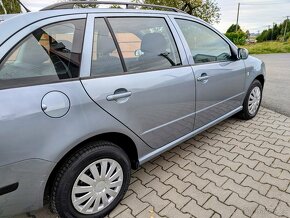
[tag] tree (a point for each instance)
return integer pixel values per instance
(9, 7)
(233, 29)
(207, 10)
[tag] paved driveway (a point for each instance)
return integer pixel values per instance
(235, 169)
(277, 88)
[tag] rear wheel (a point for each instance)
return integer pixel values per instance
(92, 181)
(252, 101)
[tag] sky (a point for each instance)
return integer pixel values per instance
(255, 15)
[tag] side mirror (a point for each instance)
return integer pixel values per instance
(243, 53)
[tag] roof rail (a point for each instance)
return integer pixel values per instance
(70, 5)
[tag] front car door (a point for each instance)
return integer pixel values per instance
(220, 76)
(140, 75)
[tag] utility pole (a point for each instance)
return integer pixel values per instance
(284, 37)
(238, 16)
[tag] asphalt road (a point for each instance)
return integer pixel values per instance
(277, 87)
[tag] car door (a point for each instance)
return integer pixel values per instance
(219, 75)
(139, 74)
(39, 76)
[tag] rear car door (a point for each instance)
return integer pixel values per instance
(219, 75)
(140, 75)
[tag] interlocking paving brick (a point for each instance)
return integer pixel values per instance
(261, 151)
(280, 156)
(226, 162)
(260, 187)
(134, 204)
(281, 183)
(140, 189)
(194, 209)
(221, 208)
(218, 180)
(159, 186)
(226, 154)
(161, 174)
(220, 193)
(243, 152)
(261, 212)
(241, 190)
(274, 147)
(262, 158)
(237, 143)
(149, 166)
(177, 183)
(165, 164)
(157, 202)
(196, 159)
(126, 214)
(282, 165)
(195, 168)
(181, 173)
(214, 167)
(248, 162)
(283, 209)
(238, 177)
(171, 211)
(181, 162)
(212, 157)
(276, 193)
(175, 197)
(239, 214)
(257, 175)
(196, 194)
(143, 176)
(119, 209)
(269, 203)
(197, 181)
(270, 170)
(246, 206)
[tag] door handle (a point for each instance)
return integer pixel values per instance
(118, 96)
(203, 77)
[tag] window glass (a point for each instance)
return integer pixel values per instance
(105, 59)
(48, 54)
(146, 43)
(205, 45)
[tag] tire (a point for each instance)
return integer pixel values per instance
(70, 178)
(246, 113)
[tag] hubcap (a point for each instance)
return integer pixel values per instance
(254, 100)
(97, 186)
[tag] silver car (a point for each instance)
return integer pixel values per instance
(88, 94)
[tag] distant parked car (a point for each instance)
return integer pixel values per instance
(88, 94)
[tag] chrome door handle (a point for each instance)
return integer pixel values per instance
(118, 96)
(202, 78)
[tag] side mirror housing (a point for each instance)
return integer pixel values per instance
(243, 53)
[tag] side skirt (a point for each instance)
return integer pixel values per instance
(171, 145)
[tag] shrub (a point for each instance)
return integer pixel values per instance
(239, 38)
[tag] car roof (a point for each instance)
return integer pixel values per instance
(15, 23)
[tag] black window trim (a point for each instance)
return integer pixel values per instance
(41, 80)
(232, 49)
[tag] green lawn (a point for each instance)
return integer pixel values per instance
(268, 47)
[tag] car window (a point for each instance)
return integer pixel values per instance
(205, 45)
(105, 58)
(146, 43)
(48, 54)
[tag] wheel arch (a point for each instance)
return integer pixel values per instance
(261, 79)
(121, 140)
